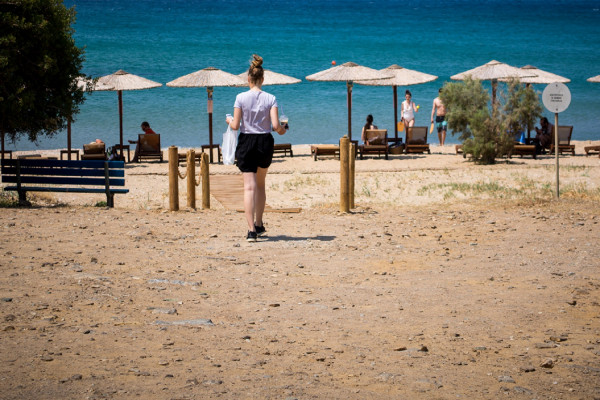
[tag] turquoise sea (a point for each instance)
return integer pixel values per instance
(164, 39)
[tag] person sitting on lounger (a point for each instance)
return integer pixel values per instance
(148, 131)
(543, 138)
(368, 125)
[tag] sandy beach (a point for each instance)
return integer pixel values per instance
(448, 280)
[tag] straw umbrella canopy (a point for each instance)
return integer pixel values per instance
(348, 72)
(274, 78)
(208, 78)
(401, 77)
(594, 79)
(493, 71)
(540, 76)
(83, 84)
(118, 82)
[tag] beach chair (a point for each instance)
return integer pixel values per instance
(416, 140)
(376, 142)
(94, 151)
(148, 147)
(592, 150)
(564, 140)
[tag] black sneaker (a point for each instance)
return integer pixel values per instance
(260, 230)
(251, 237)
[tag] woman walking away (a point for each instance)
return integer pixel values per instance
(255, 114)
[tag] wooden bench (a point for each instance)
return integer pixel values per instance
(38, 175)
(283, 148)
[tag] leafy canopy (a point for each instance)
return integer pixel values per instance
(488, 132)
(39, 64)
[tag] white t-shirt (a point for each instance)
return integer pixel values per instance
(256, 111)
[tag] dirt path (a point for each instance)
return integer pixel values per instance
(471, 300)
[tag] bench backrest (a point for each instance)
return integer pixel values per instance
(416, 135)
(375, 136)
(94, 148)
(58, 172)
(149, 142)
(564, 134)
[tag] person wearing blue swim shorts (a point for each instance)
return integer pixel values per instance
(440, 118)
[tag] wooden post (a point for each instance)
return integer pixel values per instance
(344, 170)
(556, 144)
(351, 173)
(173, 179)
(191, 179)
(204, 172)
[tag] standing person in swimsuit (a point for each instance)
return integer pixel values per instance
(440, 118)
(255, 114)
(408, 113)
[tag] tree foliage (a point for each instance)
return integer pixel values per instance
(488, 132)
(39, 64)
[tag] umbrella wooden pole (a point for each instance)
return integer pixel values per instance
(120, 92)
(209, 90)
(344, 172)
(395, 113)
(69, 140)
(349, 86)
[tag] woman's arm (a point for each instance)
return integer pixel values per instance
(237, 117)
(275, 121)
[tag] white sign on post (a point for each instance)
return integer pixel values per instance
(556, 97)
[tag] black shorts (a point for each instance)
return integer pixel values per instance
(253, 151)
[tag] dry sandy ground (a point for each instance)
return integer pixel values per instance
(448, 280)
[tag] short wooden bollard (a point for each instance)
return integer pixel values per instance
(344, 171)
(204, 175)
(173, 179)
(191, 179)
(351, 173)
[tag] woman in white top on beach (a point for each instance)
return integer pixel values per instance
(255, 113)
(408, 110)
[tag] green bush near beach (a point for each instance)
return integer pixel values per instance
(488, 132)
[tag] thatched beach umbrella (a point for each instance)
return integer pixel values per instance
(274, 78)
(348, 72)
(493, 71)
(594, 79)
(208, 78)
(118, 82)
(540, 76)
(401, 77)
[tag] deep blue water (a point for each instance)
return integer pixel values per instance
(164, 39)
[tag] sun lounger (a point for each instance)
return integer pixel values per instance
(94, 151)
(325, 150)
(564, 140)
(592, 150)
(284, 148)
(376, 142)
(148, 147)
(416, 140)
(523, 150)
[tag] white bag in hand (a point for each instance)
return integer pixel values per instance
(229, 145)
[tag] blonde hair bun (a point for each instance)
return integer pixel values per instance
(256, 72)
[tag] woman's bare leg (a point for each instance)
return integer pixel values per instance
(260, 195)
(249, 198)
